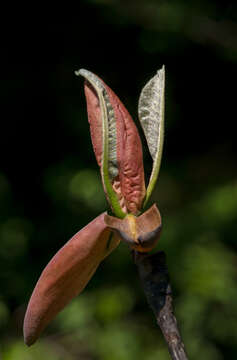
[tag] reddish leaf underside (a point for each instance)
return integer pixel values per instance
(66, 275)
(129, 184)
(130, 158)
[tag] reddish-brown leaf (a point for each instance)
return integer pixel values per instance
(66, 275)
(129, 184)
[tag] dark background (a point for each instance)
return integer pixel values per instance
(50, 185)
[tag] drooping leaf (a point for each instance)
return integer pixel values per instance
(151, 115)
(67, 274)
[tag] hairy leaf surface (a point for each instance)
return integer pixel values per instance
(151, 116)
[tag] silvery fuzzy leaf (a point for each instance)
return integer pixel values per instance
(151, 116)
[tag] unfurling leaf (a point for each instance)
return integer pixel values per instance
(117, 147)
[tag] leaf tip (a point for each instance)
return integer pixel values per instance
(29, 336)
(81, 72)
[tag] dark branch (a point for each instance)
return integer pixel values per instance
(154, 276)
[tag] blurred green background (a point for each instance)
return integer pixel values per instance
(50, 185)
